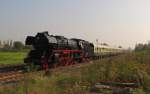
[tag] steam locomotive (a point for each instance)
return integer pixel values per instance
(52, 51)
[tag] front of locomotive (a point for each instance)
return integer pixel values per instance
(42, 45)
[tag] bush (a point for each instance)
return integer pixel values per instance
(17, 45)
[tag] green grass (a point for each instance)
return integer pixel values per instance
(12, 57)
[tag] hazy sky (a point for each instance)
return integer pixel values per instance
(117, 22)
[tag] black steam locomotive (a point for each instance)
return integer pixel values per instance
(52, 51)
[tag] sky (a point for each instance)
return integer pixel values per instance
(116, 22)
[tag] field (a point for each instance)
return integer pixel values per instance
(12, 57)
(131, 67)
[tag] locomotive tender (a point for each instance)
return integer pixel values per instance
(52, 51)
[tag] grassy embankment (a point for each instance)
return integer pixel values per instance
(134, 67)
(12, 57)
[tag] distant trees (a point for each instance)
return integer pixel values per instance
(119, 46)
(141, 47)
(17, 45)
(105, 44)
(13, 46)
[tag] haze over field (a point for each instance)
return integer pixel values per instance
(116, 22)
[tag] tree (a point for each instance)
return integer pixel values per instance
(17, 45)
(119, 46)
(139, 47)
(105, 44)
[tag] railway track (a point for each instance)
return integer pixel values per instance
(11, 74)
(11, 77)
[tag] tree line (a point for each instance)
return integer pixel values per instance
(141, 46)
(14, 46)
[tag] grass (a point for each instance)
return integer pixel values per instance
(132, 67)
(12, 57)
